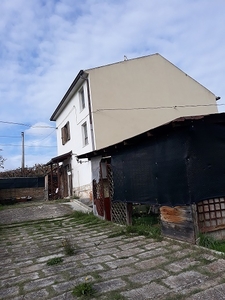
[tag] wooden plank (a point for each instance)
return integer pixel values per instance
(177, 222)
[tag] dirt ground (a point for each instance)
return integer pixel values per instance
(33, 211)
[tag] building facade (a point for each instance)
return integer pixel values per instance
(108, 104)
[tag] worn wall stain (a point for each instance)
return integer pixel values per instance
(175, 214)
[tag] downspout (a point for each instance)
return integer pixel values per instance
(51, 183)
(90, 116)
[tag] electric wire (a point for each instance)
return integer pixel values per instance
(30, 146)
(26, 125)
(158, 107)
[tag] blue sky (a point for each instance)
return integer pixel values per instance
(44, 44)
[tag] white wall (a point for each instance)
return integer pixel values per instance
(81, 172)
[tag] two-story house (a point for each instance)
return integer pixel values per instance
(111, 103)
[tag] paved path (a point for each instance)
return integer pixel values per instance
(120, 267)
(40, 210)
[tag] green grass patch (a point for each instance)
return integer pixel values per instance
(84, 289)
(115, 296)
(86, 218)
(143, 229)
(145, 219)
(54, 261)
(210, 242)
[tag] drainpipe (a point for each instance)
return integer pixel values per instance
(90, 115)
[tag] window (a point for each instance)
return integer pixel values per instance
(82, 100)
(65, 132)
(85, 134)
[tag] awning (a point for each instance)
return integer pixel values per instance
(59, 158)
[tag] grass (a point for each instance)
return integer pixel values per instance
(88, 219)
(84, 289)
(54, 261)
(143, 224)
(209, 242)
(115, 296)
(68, 246)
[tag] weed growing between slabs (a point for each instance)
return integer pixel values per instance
(68, 246)
(84, 289)
(54, 261)
(147, 225)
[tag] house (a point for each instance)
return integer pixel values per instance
(178, 166)
(111, 103)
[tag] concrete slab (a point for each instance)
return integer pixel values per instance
(150, 291)
(148, 276)
(185, 280)
(79, 206)
(217, 293)
(110, 285)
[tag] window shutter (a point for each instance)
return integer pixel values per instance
(68, 130)
(63, 135)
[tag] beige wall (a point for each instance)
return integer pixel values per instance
(150, 81)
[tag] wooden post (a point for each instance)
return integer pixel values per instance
(129, 213)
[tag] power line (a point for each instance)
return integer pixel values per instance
(12, 145)
(9, 136)
(48, 135)
(14, 123)
(26, 125)
(157, 107)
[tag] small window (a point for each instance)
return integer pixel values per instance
(65, 132)
(85, 134)
(82, 100)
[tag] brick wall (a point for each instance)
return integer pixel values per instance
(35, 193)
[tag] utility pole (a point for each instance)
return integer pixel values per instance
(22, 164)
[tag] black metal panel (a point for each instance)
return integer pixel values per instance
(206, 167)
(180, 165)
(22, 182)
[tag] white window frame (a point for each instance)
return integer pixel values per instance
(84, 134)
(82, 99)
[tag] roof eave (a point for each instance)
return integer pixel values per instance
(80, 78)
(108, 150)
(59, 158)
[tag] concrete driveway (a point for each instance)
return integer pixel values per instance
(120, 267)
(39, 210)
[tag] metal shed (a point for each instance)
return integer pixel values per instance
(179, 166)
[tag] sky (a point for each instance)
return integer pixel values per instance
(45, 43)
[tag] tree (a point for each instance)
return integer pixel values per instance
(2, 162)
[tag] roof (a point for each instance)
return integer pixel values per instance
(107, 151)
(81, 76)
(59, 158)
